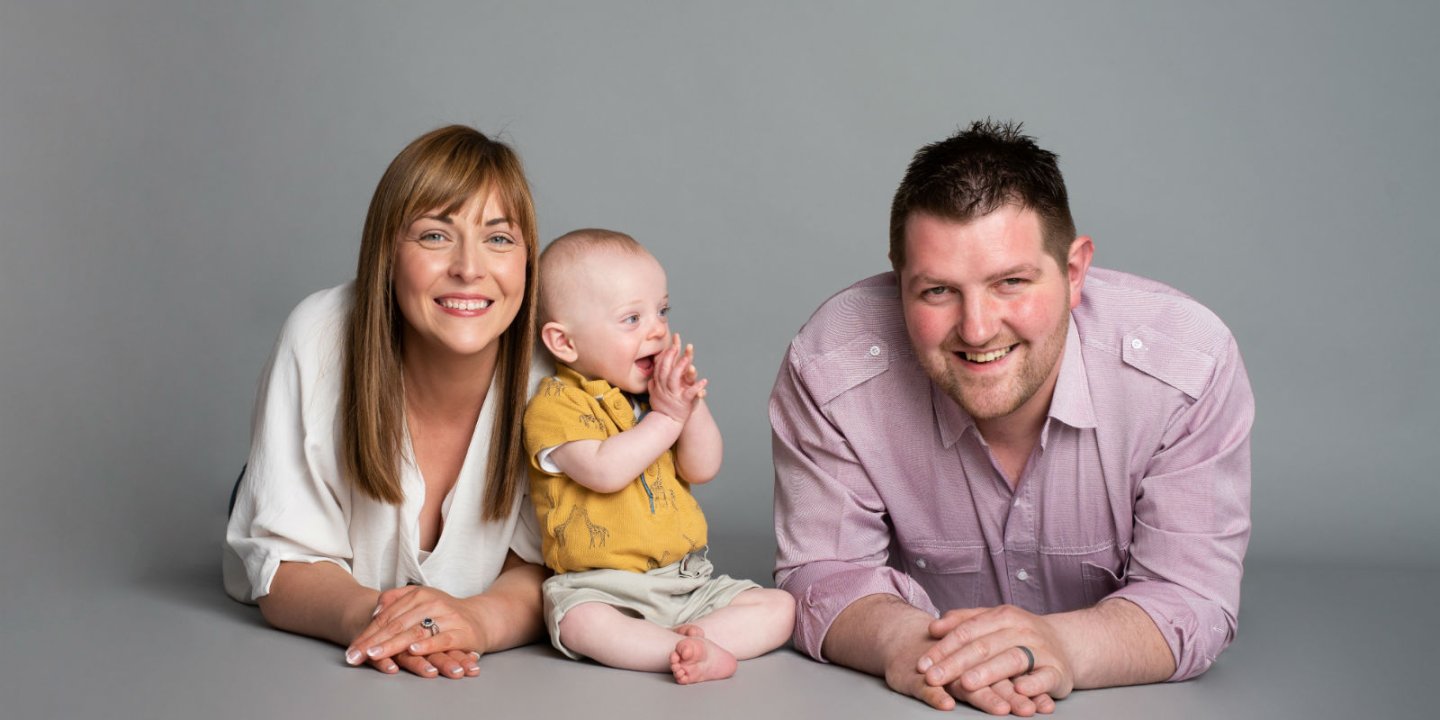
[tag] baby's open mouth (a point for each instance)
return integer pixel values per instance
(646, 364)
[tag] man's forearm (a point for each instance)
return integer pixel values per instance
(1113, 643)
(854, 641)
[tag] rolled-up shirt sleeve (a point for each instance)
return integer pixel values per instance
(830, 524)
(1192, 522)
(289, 507)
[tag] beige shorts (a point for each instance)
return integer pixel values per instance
(673, 595)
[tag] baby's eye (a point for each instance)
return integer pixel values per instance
(630, 319)
(665, 311)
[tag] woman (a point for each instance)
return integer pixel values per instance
(383, 505)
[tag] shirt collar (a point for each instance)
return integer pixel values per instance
(1071, 403)
(593, 388)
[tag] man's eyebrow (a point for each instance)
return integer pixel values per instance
(1024, 269)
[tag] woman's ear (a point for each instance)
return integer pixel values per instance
(558, 341)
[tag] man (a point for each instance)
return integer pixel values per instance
(1055, 455)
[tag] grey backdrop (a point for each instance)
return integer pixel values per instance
(175, 176)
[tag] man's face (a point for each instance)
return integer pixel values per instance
(987, 309)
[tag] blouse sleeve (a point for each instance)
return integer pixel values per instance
(292, 505)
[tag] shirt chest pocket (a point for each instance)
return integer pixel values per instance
(950, 573)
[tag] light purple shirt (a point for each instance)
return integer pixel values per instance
(1139, 487)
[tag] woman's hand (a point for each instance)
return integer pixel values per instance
(396, 637)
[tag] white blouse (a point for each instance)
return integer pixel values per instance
(295, 505)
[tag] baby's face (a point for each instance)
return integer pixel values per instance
(616, 317)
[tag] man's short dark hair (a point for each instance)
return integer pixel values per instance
(975, 172)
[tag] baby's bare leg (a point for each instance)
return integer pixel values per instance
(610, 637)
(754, 623)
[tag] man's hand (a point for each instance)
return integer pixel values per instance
(1000, 698)
(883, 635)
(976, 649)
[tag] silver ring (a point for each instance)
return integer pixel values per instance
(1029, 659)
(434, 629)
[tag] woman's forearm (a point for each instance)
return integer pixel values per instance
(510, 609)
(320, 600)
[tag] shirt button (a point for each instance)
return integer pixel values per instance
(1137, 344)
(920, 563)
(874, 350)
(1022, 576)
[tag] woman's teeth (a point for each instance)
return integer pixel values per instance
(455, 304)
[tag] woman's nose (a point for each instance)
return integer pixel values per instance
(467, 261)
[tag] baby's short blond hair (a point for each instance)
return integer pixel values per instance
(567, 252)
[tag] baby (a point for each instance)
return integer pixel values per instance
(611, 470)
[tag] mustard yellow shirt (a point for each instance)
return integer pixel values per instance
(650, 523)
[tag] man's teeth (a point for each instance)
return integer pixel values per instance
(455, 304)
(987, 357)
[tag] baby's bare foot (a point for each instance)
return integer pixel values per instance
(689, 630)
(696, 659)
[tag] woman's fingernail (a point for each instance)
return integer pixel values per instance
(374, 651)
(925, 664)
(352, 656)
(415, 648)
(376, 611)
(457, 671)
(472, 667)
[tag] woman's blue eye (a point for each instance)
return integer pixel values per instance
(502, 240)
(431, 237)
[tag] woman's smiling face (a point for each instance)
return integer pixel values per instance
(459, 278)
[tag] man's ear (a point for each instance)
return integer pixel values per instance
(558, 341)
(1078, 263)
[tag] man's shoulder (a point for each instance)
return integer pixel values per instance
(869, 309)
(855, 335)
(1153, 328)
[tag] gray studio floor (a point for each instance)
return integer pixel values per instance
(1315, 642)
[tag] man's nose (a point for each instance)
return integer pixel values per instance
(978, 322)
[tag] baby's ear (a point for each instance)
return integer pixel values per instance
(557, 341)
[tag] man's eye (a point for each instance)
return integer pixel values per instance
(935, 291)
(1012, 282)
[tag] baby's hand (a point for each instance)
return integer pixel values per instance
(675, 386)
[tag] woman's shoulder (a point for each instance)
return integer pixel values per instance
(316, 327)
